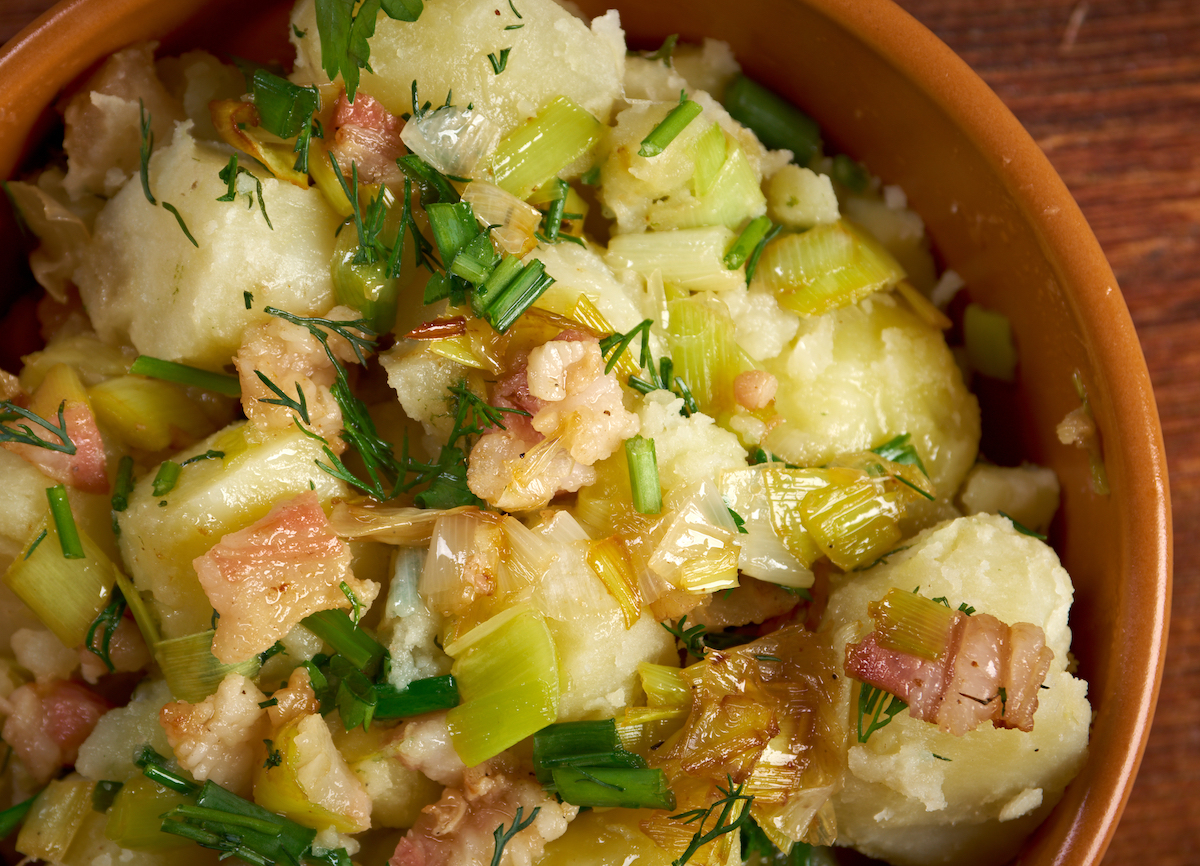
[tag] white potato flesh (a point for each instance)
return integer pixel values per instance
(446, 50)
(862, 375)
(143, 282)
(914, 795)
(1028, 494)
(212, 498)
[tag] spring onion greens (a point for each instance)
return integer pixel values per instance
(229, 175)
(503, 837)
(643, 475)
(602, 787)
(420, 696)
(108, 620)
(778, 124)
(104, 793)
(284, 108)
(665, 50)
(344, 33)
(580, 744)
(674, 123)
(23, 434)
(182, 374)
(733, 796)
(64, 522)
(584, 764)
(166, 477)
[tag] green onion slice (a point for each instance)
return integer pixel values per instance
(182, 374)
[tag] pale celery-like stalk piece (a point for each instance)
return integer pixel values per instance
(543, 146)
(192, 671)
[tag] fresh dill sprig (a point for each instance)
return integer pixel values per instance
(876, 711)
(692, 638)
(299, 405)
(732, 796)
(108, 620)
(503, 837)
(660, 376)
(355, 605)
(229, 175)
(23, 434)
(147, 147)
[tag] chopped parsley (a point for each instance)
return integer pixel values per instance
(344, 33)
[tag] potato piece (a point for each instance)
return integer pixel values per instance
(859, 376)
(800, 198)
(447, 48)
(1027, 494)
(212, 498)
(914, 795)
(143, 282)
(108, 752)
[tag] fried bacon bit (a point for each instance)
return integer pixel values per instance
(294, 700)
(439, 329)
(87, 468)
(367, 135)
(578, 417)
(458, 829)
(755, 389)
(47, 723)
(220, 737)
(291, 357)
(265, 578)
(989, 672)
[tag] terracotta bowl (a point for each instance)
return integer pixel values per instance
(886, 91)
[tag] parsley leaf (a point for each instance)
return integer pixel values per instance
(344, 34)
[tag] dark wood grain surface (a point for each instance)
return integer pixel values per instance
(1110, 89)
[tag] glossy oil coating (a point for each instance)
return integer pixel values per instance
(888, 92)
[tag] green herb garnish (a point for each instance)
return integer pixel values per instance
(108, 620)
(344, 33)
(670, 127)
(64, 522)
(876, 711)
(499, 63)
(503, 837)
(23, 434)
(732, 797)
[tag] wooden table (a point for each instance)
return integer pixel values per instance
(1110, 89)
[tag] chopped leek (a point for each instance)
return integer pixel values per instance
(690, 258)
(706, 352)
(192, 671)
(182, 374)
(367, 287)
(989, 341)
(507, 673)
(734, 197)
(150, 414)
(786, 489)
(777, 123)
(665, 132)
(910, 623)
(135, 817)
(708, 154)
(643, 475)
(829, 266)
(601, 787)
(539, 149)
(852, 519)
(66, 594)
(610, 560)
(663, 685)
(64, 523)
(54, 819)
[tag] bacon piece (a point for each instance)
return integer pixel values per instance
(989, 672)
(368, 136)
(87, 468)
(458, 829)
(755, 389)
(265, 578)
(47, 723)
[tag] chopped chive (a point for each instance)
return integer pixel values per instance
(418, 697)
(850, 174)
(908, 483)
(607, 786)
(643, 475)
(269, 702)
(167, 206)
(752, 265)
(1021, 528)
(182, 374)
(558, 205)
(166, 477)
(514, 26)
(210, 454)
(665, 50)
(777, 123)
(746, 242)
(514, 9)
(336, 629)
(588, 744)
(41, 537)
(104, 793)
(670, 127)
(499, 63)
(232, 819)
(270, 652)
(248, 297)
(518, 296)
(12, 817)
(64, 522)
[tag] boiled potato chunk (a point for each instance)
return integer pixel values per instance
(914, 795)
(446, 50)
(859, 376)
(144, 283)
(161, 535)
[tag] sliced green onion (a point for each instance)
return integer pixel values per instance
(777, 123)
(850, 174)
(989, 341)
(191, 670)
(507, 674)
(666, 131)
(166, 477)
(182, 374)
(601, 787)
(452, 226)
(284, 109)
(123, 486)
(518, 296)
(910, 623)
(475, 260)
(64, 522)
(419, 696)
(12, 817)
(435, 187)
(539, 149)
(580, 744)
(751, 236)
(337, 629)
(643, 475)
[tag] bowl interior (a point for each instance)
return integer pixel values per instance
(887, 92)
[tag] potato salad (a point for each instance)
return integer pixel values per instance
(478, 442)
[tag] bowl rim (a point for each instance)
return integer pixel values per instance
(64, 42)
